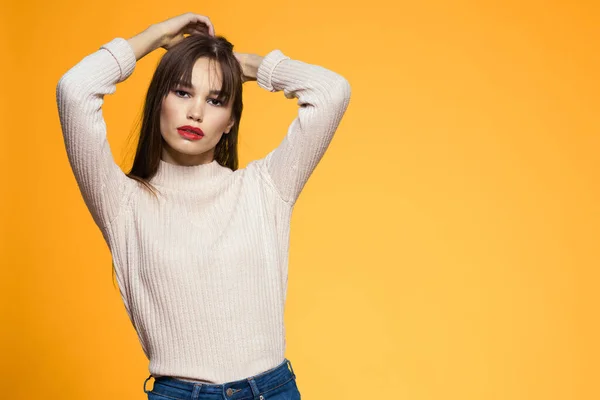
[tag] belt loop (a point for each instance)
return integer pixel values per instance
(196, 391)
(147, 391)
(254, 387)
(290, 368)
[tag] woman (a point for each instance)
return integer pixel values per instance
(200, 247)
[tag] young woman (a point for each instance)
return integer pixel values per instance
(200, 247)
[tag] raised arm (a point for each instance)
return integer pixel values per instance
(323, 97)
(79, 96)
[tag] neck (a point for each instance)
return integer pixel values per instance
(173, 157)
(189, 177)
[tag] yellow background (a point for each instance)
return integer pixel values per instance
(446, 247)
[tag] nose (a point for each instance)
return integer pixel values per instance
(196, 112)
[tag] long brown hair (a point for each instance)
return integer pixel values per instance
(175, 67)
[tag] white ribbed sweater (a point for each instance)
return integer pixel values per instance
(203, 271)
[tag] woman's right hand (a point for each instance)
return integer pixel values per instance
(172, 30)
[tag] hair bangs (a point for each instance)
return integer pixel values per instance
(182, 74)
(229, 81)
(182, 77)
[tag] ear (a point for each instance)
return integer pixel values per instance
(229, 126)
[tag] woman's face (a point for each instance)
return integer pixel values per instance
(196, 107)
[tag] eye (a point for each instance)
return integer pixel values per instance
(179, 91)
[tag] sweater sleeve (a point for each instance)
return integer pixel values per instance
(323, 97)
(79, 96)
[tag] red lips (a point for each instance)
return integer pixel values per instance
(192, 129)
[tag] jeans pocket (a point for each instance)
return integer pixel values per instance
(287, 391)
(152, 395)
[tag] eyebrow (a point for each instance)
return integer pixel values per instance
(183, 85)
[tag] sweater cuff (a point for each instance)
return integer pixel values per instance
(123, 54)
(267, 66)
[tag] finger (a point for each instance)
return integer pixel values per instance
(202, 28)
(195, 29)
(206, 21)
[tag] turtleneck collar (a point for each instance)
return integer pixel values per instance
(188, 177)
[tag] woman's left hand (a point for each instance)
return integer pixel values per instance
(249, 63)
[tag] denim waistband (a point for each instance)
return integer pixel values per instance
(249, 387)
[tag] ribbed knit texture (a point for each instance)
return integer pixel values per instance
(203, 270)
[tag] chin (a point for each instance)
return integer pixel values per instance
(187, 147)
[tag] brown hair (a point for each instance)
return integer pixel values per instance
(175, 67)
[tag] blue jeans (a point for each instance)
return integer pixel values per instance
(278, 383)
